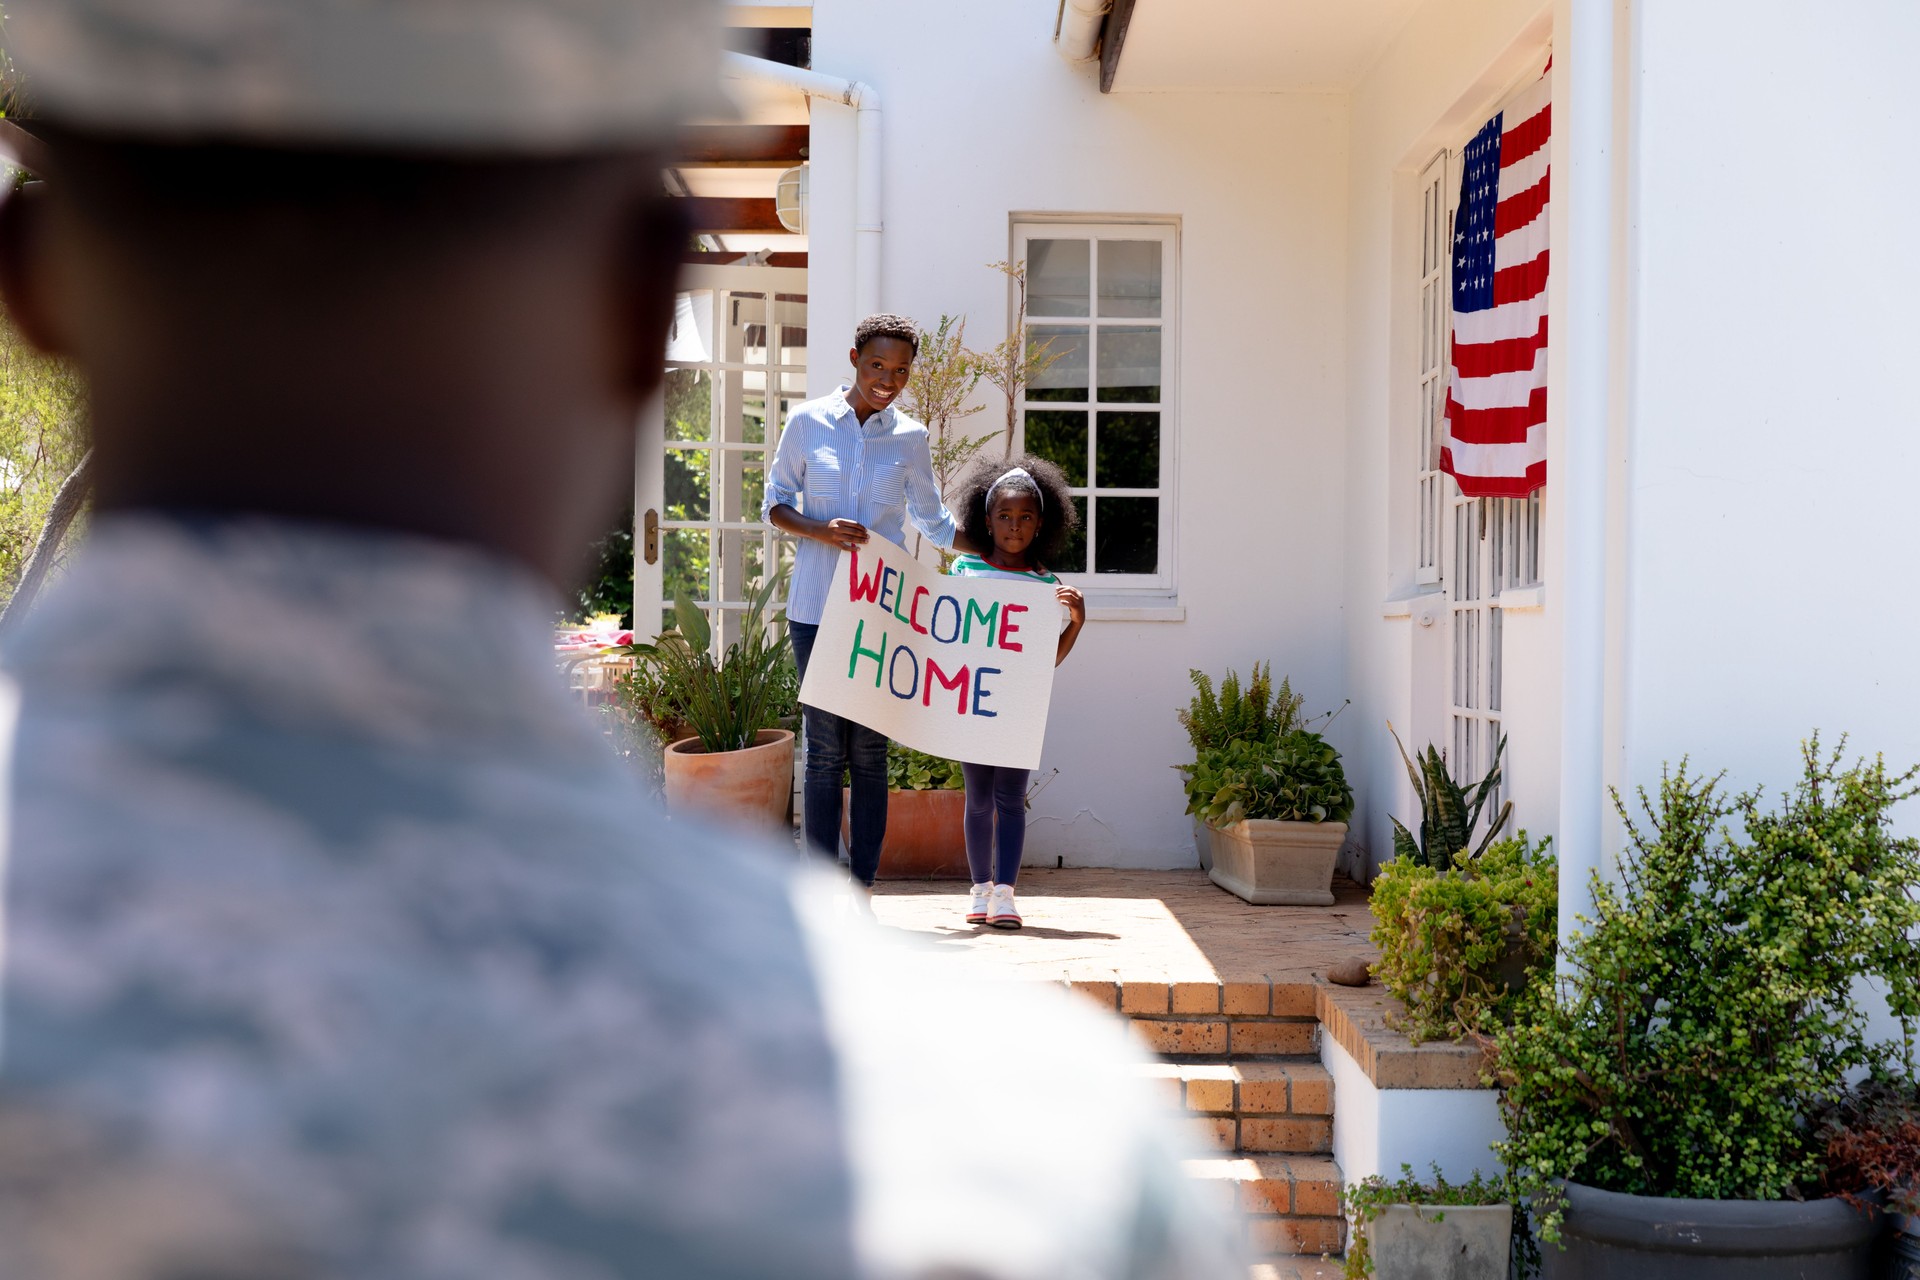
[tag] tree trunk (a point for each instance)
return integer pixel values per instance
(66, 505)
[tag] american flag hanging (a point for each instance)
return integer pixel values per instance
(1496, 445)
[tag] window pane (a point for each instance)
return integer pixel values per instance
(750, 484)
(1128, 456)
(687, 489)
(1073, 557)
(1130, 277)
(748, 342)
(1130, 364)
(1066, 377)
(1057, 272)
(686, 559)
(1060, 436)
(1128, 539)
(689, 404)
(743, 413)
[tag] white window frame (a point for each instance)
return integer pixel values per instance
(1115, 588)
(1436, 310)
(1503, 533)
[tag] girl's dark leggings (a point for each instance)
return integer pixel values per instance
(993, 850)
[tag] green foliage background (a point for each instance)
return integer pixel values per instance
(43, 435)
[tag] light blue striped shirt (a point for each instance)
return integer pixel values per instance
(832, 467)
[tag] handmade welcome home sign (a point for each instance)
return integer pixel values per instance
(955, 667)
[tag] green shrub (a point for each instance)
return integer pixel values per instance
(1443, 934)
(1712, 1002)
(1296, 778)
(1261, 714)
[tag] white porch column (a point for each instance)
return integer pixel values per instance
(1588, 184)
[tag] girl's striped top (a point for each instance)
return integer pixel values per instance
(972, 566)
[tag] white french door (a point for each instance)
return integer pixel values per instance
(736, 365)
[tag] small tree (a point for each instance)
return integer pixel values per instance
(1017, 361)
(944, 376)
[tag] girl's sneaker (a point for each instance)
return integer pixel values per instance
(1000, 912)
(977, 908)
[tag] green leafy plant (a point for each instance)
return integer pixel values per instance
(1295, 778)
(1712, 1002)
(910, 770)
(1259, 714)
(1368, 1198)
(722, 703)
(1449, 813)
(1457, 946)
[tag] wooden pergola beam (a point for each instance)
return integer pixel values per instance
(1112, 39)
(722, 214)
(727, 259)
(758, 146)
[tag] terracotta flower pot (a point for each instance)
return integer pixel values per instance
(926, 838)
(1278, 863)
(752, 787)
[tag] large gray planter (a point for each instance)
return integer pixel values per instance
(1441, 1242)
(1609, 1235)
(1901, 1249)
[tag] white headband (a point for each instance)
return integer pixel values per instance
(1023, 473)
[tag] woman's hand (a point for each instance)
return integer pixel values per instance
(844, 534)
(1073, 602)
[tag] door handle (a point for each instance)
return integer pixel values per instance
(650, 536)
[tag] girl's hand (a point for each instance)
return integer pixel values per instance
(1074, 603)
(844, 534)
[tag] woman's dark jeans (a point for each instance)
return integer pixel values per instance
(836, 745)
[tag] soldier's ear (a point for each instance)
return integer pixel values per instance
(26, 289)
(656, 233)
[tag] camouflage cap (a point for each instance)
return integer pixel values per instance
(536, 76)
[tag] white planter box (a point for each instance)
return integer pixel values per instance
(1441, 1242)
(1278, 863)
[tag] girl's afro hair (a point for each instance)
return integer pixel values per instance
(1058, 516)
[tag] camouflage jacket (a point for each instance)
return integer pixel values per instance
(338, 944)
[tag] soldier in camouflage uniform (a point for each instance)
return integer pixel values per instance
(337, 943)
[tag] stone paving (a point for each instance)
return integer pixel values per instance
(1097, 924)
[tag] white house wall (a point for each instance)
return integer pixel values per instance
(1773, 451)
(1440, 77)
(983, 121)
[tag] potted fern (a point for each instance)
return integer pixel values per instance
(1271, 792)
(1259, 713)
(734, 762)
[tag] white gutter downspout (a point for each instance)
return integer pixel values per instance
(865, 100)
(1076, 28)
(1583, 482)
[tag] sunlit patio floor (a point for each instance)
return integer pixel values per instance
(1095, 924)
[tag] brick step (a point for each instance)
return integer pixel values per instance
(1287, 1205)
(1172, 1036)
(1300, 1268)
(1290, 1086)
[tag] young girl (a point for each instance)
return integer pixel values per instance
(1021, 509)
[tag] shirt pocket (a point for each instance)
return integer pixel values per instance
(825, 482)
(889, 484)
